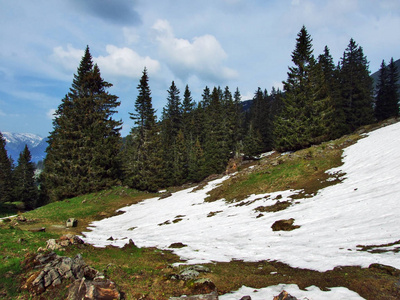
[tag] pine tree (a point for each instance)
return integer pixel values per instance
(188, 106)
(332, 117)
(393, 92)
(356, 88)
(171, 125)
(216, 143)
(6, 174)
(25, 188)
(292, 126)
(142, 156)
(196, 162)
(387, 97)
(82, 155)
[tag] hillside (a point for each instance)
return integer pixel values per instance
(341, 241)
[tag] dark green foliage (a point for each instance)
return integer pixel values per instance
(216, 144)
(387, 96)
(293, 126)
(25, 189)
(6, 174)
(142, 155)
(174, 155)
(82, 155)
(355, 88)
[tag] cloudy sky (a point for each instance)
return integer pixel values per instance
(236, 43)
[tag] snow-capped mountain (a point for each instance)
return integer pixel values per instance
(15, 143)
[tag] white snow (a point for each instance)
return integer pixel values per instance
(311, 293)
(364, 209)
(32, 140)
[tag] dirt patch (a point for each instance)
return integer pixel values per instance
(278, 206)
(284, 225)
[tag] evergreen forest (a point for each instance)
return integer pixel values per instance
(194, 138)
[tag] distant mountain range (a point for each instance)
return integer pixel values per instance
(15, 144)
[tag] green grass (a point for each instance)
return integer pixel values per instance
(302, 170)
(145, 273)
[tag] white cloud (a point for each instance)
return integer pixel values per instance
(2, 113)
(203, 56)
(130, 34)
(119, 62)
(125, 62)
(69, 59)
(51, 113)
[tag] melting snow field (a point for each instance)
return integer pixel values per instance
(364, 209)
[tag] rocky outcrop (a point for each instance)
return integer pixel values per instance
(284, 296)
(201, 288)
(61, 243)
(51, 270)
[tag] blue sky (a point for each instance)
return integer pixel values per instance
(236, 43)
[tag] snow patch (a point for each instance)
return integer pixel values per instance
(364, 209)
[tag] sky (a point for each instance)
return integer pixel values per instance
(242, 44)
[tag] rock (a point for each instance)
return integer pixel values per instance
(192, 272)
(54, 269)
(177, 245)
(71, 222)
(203, 286)
(188, 275)
(21, 218)
(40, 229)
(165, 195)
(212, 296)
(97, 289)
(245, 298)
(284, 296)
(284, 225)
(63, 241)
(52, 245)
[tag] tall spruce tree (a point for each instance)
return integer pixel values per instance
(6, 174)
(171, 125)
(356, 88)
(216, 143)
(142, 157)
(82, 155)
(292, 126)
(25, 188)
(394, 95)
(332, 116)
(387, 98)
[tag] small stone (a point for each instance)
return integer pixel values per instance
(71, 222)
(284, 296)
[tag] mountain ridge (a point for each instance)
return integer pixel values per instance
(15, 144)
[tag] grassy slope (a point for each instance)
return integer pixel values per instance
(144, 273)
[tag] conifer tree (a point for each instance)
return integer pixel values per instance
(82, 155)
(188, 106)
(331, 113)
(292, 126)
(142, 156)
(238, 122)
(387, 98)
(216, 144)
(6, 174)
(356, 88)
(25, 188)
(196, 162)
(394, 95)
